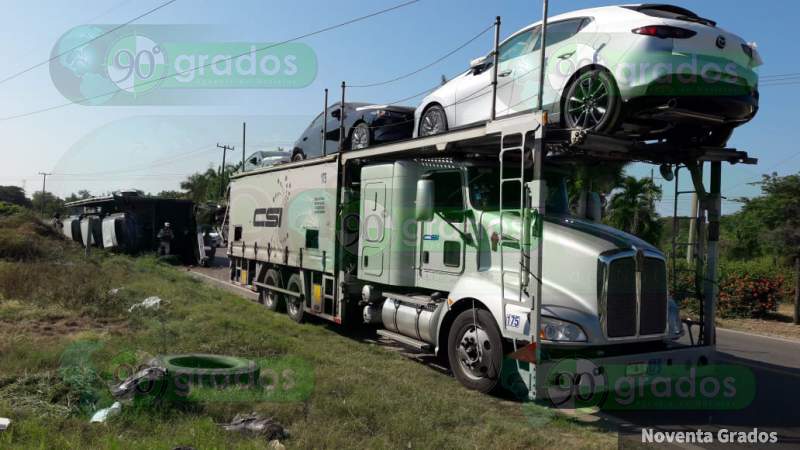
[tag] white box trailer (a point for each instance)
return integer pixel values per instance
(463, 244)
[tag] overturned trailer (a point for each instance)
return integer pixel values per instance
(130, 222)
(464, 245)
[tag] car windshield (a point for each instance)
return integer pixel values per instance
(484, 191)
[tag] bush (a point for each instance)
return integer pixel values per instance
(747, 289)
(23, 237)
(749, 296)
(9, 209)
(750, 289)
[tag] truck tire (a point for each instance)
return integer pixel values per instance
(199, 369)
(273, 301)
(475, 354)
(295, 305)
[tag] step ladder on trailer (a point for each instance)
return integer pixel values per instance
(692, 250)
(521, 206)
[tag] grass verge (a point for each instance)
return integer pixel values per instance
(65, 331)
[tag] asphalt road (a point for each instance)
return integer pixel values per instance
(774, 362)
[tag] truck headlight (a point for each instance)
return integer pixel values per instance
(674, 315)
(560, 331)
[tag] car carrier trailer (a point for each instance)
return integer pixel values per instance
(462, 244)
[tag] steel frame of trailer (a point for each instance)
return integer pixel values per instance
(559, 146)
(524, 133)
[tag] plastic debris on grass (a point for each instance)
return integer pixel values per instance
(153, 302)
(262, 426)
(149, 375)
(4, 423)
(102, 415)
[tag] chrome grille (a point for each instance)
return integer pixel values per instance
(622, 306)
(621, 298)
(653, 317)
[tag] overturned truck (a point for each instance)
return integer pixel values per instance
(130, 222)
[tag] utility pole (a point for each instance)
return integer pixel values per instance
(797, 290)
(44, 185)
(225, 149)
(244, 138)
(690, 250)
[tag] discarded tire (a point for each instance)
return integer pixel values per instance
(211, 371)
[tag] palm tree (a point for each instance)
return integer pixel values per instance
(632, 208)
(601, 178)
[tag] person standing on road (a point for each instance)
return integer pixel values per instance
(165, 237)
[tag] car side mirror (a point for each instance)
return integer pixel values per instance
(424, 204)
(336, 113)
(477, 64)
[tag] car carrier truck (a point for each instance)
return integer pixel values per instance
(464, 245)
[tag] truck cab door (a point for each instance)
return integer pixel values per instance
(374, 241)
(441, 242)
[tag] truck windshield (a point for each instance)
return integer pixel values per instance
(484, 191)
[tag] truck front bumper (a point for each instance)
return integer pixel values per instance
(576, 382)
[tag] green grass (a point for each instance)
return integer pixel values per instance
(363, 396)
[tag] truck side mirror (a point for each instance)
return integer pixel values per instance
(424, 211)
(594, 207)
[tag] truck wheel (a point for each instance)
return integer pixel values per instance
(475, 350)
(272, 300)
(294, 305)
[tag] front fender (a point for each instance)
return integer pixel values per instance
(484, 288)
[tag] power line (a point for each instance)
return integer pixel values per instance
(184, 72)
(15, 75)
(791, 74)
(772, 167)
(167, 160)
(426, 66)
(795, 83)
(155, 163)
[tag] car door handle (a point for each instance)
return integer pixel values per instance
(505, 73)
(305, 138)
(566, 55)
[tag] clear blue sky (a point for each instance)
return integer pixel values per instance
(113, 147)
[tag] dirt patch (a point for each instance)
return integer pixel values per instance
(778, 324)
(63, 326)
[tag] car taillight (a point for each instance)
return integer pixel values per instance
(664, 32)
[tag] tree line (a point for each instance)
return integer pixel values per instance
(766, 225)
